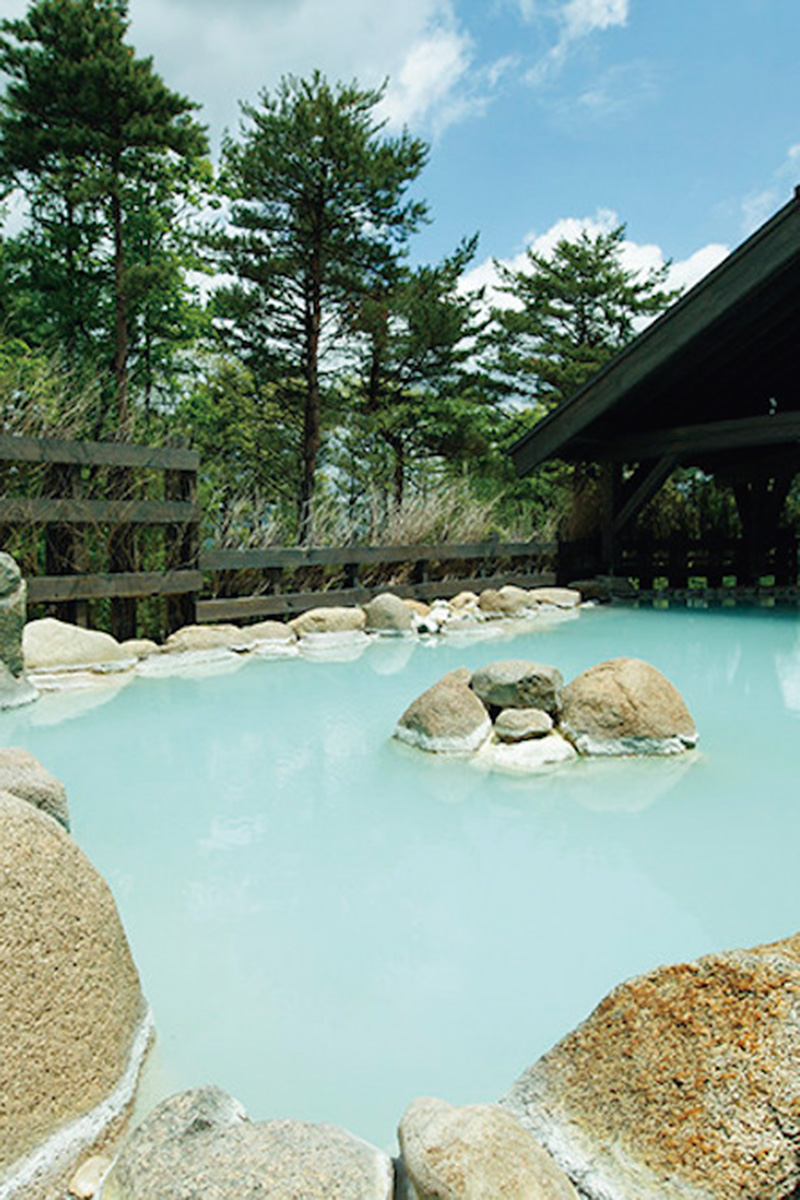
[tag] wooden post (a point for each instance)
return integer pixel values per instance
(65, 550)
(181, 547)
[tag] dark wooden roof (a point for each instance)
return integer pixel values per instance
(714, 382)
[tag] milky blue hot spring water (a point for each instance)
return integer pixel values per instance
(329, 923)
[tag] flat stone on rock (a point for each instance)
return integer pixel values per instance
(387, 613)
(520, 724)
(626, 706)
(329, 620)
(52, 643)
(447, 718)
(193, 638)
(24, 776)
(272, 631)
(74, 1022)
(518, 683)
(681, 1085)
(528, 757)
(201, 1144)
(478, 1152)
(558, 597)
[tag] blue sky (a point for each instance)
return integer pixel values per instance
(678, 117)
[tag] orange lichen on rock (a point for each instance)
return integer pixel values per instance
(688, 1072)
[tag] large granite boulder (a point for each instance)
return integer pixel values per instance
(194, 638)
(517, 683)
(201, 1144)
(626, 706)
(447, 718)
(24, 776)
(74, 1025)
(329, 620)
(478, 1152)
(387, 613)
(681, 1085)
(14, 686)
(52, 643)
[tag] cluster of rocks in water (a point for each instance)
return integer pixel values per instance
(517, 715)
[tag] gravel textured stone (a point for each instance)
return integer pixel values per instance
(209, 637)
(72, 1009)
(681, 1085)
(52, 643)
(520, 724)
(329, 620)
(23, 775)
(478, 1152)
(387, 613)
(199, 1145)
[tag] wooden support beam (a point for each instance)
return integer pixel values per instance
(641, 488)
(301, 556)
(95, 454)
(685, 442)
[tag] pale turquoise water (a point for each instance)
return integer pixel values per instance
(329, 924)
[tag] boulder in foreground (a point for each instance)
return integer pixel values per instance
(447, 718)
(478, 1152)
(626, 706)
(74, 1022)
(201, 1144)
(681, 1085)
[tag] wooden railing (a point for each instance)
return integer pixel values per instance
(283, 580)
(102, 521)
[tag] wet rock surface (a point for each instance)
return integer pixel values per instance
(447, 718)
(626, 706)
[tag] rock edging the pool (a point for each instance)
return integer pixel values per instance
(59, 655)
(517, 715)
(74, 1025)
(681, 1085)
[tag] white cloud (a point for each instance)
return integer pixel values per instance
(577, 19)
(219, 54)
(426, 88)
(758, 206)
(636, 256)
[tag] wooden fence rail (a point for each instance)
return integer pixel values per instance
(354, 574)
(102, 521)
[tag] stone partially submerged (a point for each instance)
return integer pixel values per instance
(201, 1144)
(52, 643)
(517, 683)
(23, 775)
(681, 1085)
(75, 1026)
(626, 706)
(447, 718)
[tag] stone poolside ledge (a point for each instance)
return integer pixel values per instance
(60, 656)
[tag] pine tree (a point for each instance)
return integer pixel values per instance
(573, 311)
(319, 211)
(87, 129)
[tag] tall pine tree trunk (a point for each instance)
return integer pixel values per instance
(311, 415)
(121, 333)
